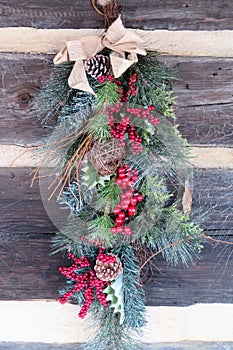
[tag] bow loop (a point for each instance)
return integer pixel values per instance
(124, 44)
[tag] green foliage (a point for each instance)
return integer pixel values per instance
(99, 228)
(78, 108)
(178, 238)
(98, 127)
(53, 96)
(76, 197)
(90, 176)
(112, 334)
(154, 84)
(108, 94)
(163, 165)
(108, 195)
(56, 100)
(163, 100)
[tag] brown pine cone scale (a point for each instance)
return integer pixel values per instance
(107, 267)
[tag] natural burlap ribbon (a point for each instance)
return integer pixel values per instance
(124, 44)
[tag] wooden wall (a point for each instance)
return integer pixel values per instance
(204, 109)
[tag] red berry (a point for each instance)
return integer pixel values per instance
(121, 215)
(129, 193)
(131, 211)
(125, 202)
(119, 229)
(121, 175)
(113, 230)
(118, 221)
(140, 197)
(117, 210)
(128, 230)
(118, 181)
(134, 201)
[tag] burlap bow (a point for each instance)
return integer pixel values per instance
(124, 44)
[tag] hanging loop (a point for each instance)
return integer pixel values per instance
(96, 8)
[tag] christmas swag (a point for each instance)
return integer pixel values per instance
(121, 166)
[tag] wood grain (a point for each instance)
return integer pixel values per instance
(203, 89)
(21, 78)
(23, 212)
(207, 281)
(28, 272)
(179, 43)
(202, 157)
(144, 14)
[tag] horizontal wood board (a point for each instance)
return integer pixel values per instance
(155, 346)
(22, 210)
(28, 272)
(204, 103)
(143, 14)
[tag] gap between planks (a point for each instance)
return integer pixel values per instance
(180, 43)
(203, 157)
(51, 322)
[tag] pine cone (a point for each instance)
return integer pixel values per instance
(97, 66)
(107, 267)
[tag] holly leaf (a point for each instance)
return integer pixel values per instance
(90, 176)
(116, 297)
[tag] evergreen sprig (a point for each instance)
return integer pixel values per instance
(112, 335)
(159, 224)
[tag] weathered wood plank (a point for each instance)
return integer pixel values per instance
(204, 98)
(22, 77)
(204, 103)
(207, 281)
(28, 272)
(144, 14)
(22, 210)
(202, 157)
(189, 43)
(201, 81)
(155, 346)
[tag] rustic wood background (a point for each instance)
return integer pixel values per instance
(204, 109)
(143, 14)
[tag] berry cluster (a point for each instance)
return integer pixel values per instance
(105, 258)
(108, 77)
(104, 78)
(129, 199)
(143, 113)
(133, 88)
(87, 280)
(119, 129)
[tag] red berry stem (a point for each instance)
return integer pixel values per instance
(126, 208)
(87, 281)
(125, 126)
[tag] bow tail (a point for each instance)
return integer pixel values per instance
(62, 56)
(120, 64)
(78, 79)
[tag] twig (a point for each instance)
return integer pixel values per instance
(216, 240)
(161, 250)
(96, 8)
(174, 244)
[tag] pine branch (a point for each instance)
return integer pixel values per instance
(111, 334)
